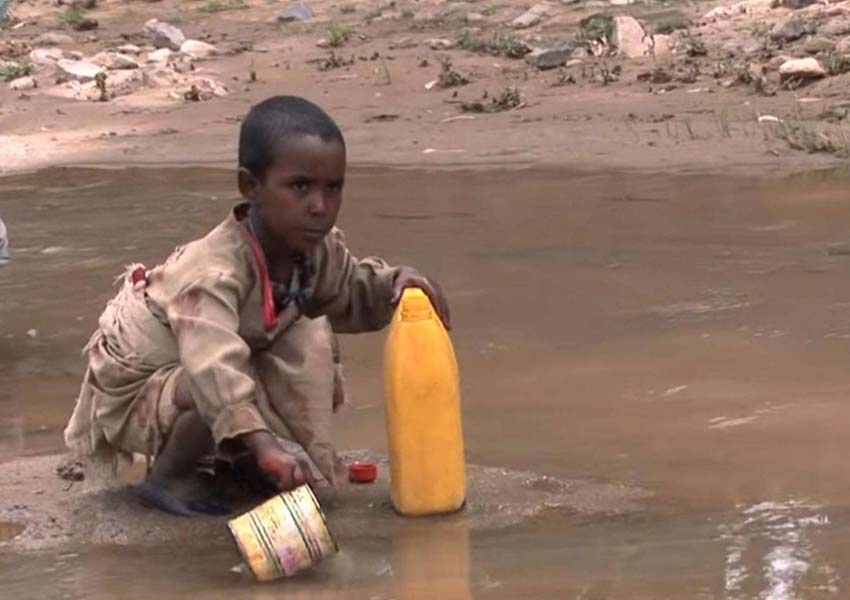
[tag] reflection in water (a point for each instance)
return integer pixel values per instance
(432, 559)
(776, 536)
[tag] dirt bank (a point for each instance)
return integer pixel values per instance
(707, 96)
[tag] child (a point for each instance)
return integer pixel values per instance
(228, 346)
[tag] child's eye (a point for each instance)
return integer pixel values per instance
(300, 186)
(335, 187)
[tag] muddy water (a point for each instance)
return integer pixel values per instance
(688, 335)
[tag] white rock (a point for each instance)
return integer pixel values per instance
(439, 44)
(197, 49)
(77, 70)
(131, 49)
(531, 17)
(630, 38)
(45, 56)
(662, 45)
(159, 55)
(114, 60)
(75, 55)
(474, 17)
(165, 35)
(53, 39)
(22, 84)
(801, 68)
(621, 2)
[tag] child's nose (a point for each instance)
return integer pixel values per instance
(317, 204)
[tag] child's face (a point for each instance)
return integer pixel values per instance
(300, 196)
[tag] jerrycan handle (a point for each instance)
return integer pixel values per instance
(414, 306)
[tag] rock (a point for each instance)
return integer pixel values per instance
(297, 11)
(323, 43)
(777, 61)
(121, 83)
(130, 49)
(22, 84)
(197, 49)
(77, 70)
(801, 68)
(75, 55)
(621, 2)
(835, 27)
(114, 60)
(403, 43)
(165, 35)
(720, 13)
(45, 56)
(816, 45)
(53, 39)
(531, 17)
(549, 58)
(475, 17)
(630, 38)
(204, 89)
(843, 46)
(158, 75)
(440, 44)
(159, 55)
(755, 7)
(798, 4)
(662, 45)
(789, 29)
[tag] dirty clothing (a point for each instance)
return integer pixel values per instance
(254, 362)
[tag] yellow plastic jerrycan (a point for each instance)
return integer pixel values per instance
(422, 390)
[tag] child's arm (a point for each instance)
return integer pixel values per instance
(359, 295)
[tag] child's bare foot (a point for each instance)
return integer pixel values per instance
(181, 498)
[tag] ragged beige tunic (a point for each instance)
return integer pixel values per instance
(208, 311)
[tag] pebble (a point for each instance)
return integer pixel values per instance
(53, 39)
(197, 49)
(78, 70)
(297, 11)
(159, 55)
(45, 56)
(22, 84)
(801, 68)
(531, 17)
(165, 35)
(549, 58)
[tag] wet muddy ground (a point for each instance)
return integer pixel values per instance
(683, 335)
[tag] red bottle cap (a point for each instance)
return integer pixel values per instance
(363, 472)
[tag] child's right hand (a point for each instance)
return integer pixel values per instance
(281, 467)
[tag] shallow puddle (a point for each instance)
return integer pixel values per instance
(685, 334)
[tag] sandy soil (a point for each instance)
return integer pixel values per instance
(706, 121)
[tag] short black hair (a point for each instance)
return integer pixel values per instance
(275, 120)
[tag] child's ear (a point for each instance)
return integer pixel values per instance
(248, 184)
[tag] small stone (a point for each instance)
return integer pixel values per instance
(53, 39)
(662, 45)
(77, 70)
(402, 44)
(121, 83)
(549, 58)
(719, 13)
(297, 11)
(23, 84)
(204, 89)
(45, 56)
(86, 24)
(816, 45)
(475, 17)
(789, 29)
(440, 44)
(33, 333)
(197, 49)
(798, 4)
(621, 2)
(75, 55)
(165, 35)
(159, 55)
(114, 60)
(531, 17)
(130, 49)
(843, 46)
(630, 37)
(801, 68)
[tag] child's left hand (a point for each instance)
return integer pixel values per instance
(408, 277)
